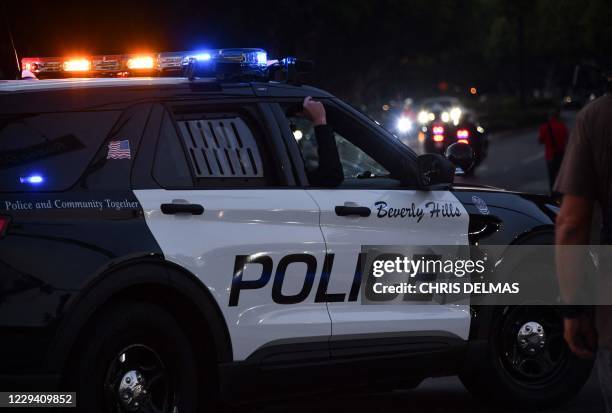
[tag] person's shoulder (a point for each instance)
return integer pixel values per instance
(602, 103)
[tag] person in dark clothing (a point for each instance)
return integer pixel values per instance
(553, 135)
(329, 171)
(585, 179)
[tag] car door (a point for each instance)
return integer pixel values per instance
(370, 161)
(221, 206)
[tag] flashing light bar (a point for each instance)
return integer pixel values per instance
(210, 62)
(243, 65)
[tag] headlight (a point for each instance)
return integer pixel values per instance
(297, 134)
(423, 117)
(404, 125)
(455, 115)
(445, 117)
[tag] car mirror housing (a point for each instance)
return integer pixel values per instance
(435, 171)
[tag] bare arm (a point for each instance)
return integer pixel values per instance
(572, 228)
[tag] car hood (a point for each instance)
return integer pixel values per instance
(539, 206)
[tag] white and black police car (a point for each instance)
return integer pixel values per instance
(162, 249)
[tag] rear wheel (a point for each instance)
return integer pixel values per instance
(527, 360)
(135, 358)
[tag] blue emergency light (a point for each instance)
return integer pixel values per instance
(34, 179)
(227, 64)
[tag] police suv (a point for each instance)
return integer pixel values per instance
(161, 248)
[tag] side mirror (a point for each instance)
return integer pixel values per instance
(461, 155)
(435, 171)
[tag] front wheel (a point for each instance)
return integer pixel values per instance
(526, 360)
(135, 358)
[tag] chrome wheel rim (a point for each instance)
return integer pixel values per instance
(137, 381)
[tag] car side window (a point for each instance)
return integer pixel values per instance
(50, 151)
(221, 148)
(365, 162)
(215, 147)
(355, 162)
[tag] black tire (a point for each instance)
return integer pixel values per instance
(494, 377)
(135, 339)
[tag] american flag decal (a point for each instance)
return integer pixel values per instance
(119, 150)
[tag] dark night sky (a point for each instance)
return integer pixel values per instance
(363, 49)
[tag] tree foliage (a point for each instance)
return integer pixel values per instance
(363, 49)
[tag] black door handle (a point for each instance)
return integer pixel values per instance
(343, 211)
(193, 209)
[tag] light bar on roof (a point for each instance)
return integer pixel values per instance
(224, 64)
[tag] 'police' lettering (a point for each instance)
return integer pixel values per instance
(322, 295)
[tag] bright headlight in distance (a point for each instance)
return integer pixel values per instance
(404, 124)
(423, 117)
(445, 116)
(455, 114)
(297, 134)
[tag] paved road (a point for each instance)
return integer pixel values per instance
(515, 161)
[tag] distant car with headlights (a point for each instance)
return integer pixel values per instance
(444, 121)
